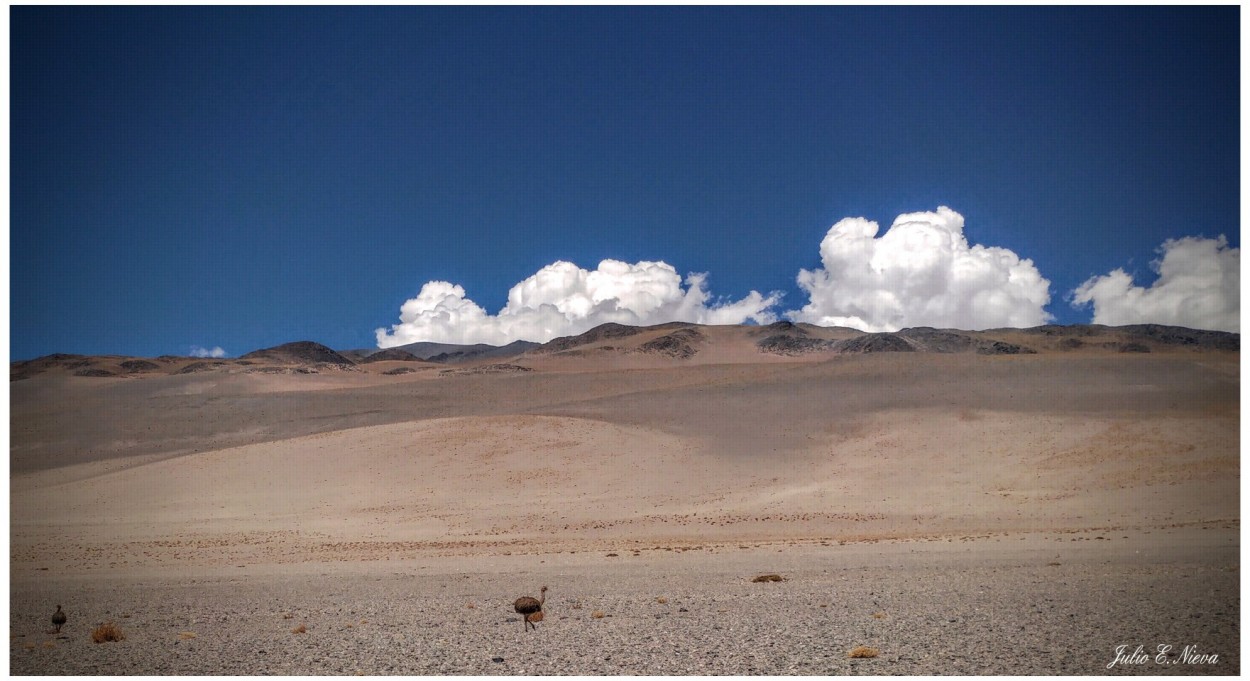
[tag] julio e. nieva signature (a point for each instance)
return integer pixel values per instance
(1163, 655)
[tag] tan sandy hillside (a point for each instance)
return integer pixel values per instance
(578, 451)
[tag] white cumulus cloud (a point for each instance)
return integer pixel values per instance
(563, 299)
(197, 351)
(922, 272)
(1199, 286)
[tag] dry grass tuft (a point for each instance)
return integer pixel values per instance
(107, 632)
(878, 615)
(186, 635)
(863, 651)
(301, 629)
(470, 605)
(598, 614)
(769, 578)
(661, 600)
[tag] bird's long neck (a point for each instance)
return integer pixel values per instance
(542, 598)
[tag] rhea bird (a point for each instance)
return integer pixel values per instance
(58, 619)
(531, 609)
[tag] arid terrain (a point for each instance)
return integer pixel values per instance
(1001, 502)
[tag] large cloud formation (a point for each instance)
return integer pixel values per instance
(1199, 286)
(563, 299)
(922, 272)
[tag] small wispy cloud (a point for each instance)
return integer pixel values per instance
(216, 351)
(1199, 286)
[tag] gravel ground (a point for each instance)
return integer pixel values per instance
(926, 614)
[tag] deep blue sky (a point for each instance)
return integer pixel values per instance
(242, 177)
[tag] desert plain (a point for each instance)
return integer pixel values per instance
(999, 502)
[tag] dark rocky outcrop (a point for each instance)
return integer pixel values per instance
(928, 339)
(390, 354)
(1178, 335)
(487, 369)
(135, 366)
(875, 342)
(300, 352)
(782, 327)
(599, 333)
(994, 347)
(94, 372)
(197, 367)
(793, 344)
(676, 344)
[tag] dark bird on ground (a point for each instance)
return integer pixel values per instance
(528, 606)
(58, 619)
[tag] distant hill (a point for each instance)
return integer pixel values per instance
(659, 345)
(389, 354)
(787, 339)
(451, 353)
(299, 352)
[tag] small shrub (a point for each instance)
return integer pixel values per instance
(661, 600)
(186, 635)
(769, 578)
(878, 615)
(107, 632)
(299, 630)
(863, 651)
(598, 614)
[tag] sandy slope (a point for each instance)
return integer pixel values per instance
(285, 468)
(1005, 514)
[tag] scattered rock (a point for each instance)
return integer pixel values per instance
(769, 578)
